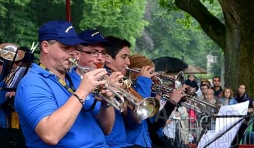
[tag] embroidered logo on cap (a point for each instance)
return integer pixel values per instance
(94, 33)
(67, 30)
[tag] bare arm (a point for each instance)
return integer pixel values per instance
(52, 129)
(106, 119)
(106, 115)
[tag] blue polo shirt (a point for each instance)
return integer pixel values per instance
(117, 137)
(3, 123)
(122, 136)
(38, 95)
(139, 134)
(75, 77)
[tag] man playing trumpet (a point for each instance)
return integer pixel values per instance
(118, 60)
(48, 104)
(92, 56)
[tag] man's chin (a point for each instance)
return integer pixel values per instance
(123, 72)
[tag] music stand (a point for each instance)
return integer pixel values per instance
(230, 116)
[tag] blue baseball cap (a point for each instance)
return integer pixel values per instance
(93, 37)
(61, 31)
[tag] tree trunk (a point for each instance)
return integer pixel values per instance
(239, 53)
(236, 37)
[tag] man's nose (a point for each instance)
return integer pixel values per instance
(99, 56)
(128, 62)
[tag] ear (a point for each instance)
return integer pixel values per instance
(108, 59)
(45, 46)
(77, 54)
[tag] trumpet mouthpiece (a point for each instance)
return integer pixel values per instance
(73, 61)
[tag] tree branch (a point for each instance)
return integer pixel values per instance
(211, 25)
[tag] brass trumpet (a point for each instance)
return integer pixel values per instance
(142, 110)
(117, 102)
(161, 82)
(164, 85)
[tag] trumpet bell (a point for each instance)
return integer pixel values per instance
(9, 50)
(147, 108)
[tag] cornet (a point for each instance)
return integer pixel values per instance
(117, 102)
(161, 82)
(142, 110)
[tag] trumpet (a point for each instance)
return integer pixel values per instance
(205, 104)
(142, 109)
(164, 85)
(161, 82)
(117, 102)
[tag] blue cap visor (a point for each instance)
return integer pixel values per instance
(71, 41)
(105, 42)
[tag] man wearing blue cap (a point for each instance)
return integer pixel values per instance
(48, 105)
(91, 56)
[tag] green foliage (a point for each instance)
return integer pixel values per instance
(170, 37)
(112, 18)
(210, 1)
(161, 33)
(169, 4)
(16, 26)
(21, 19)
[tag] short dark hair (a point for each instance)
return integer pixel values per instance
(216, 77)
(240, 85)
(117, 45)
(205, 85)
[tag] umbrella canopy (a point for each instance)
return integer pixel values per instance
(169, 64)
(193, 69)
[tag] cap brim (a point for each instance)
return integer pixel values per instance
(71, 41)
(100, 41)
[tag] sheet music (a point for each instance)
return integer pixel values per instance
(222, 124)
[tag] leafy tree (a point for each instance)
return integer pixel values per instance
(170, 35)
(234, 35)
(16, 27)
(122, 19)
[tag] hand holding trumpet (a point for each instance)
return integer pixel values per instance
(178, 94)
(92, 78)
(147, 71)
(116, 78)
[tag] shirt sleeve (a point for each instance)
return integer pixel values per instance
(143, 86)
(34, 101)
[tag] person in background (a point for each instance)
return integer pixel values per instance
(1, 66)
(216, 86)
(16, 73)
(192, 82)
(204, 87)
(242, 96)
(176, 131)
(2, 99)
(48, 105)
(211, 111)
(228, 97)
(202, 81)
